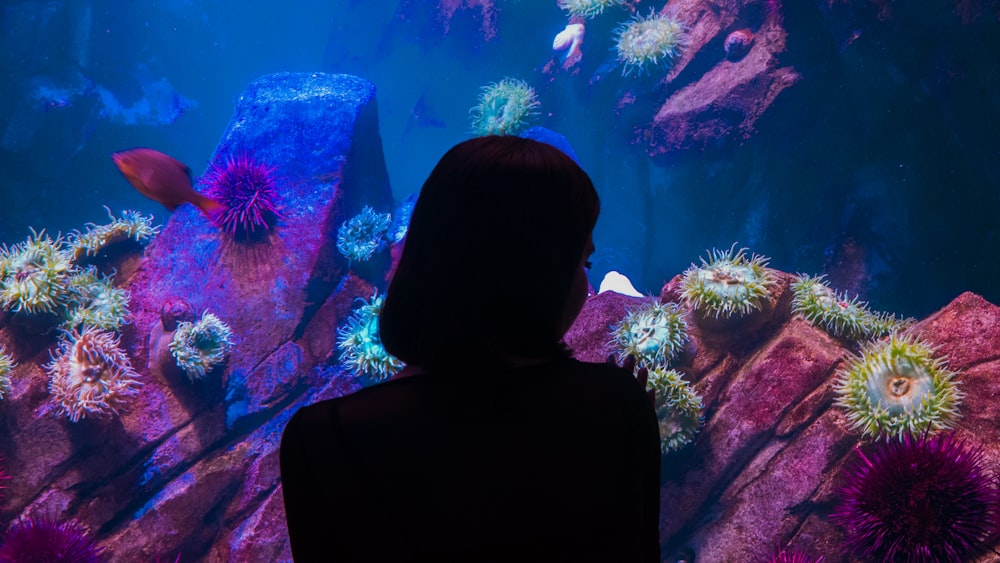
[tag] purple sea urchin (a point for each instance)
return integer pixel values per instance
(247, 189)
(646, 42)
(361, 236)
(678, 409)
(923, 499)
(361, 349)
(90, 375)
(504, 108)
(794, 556)
(897, 387)
(42, 541)
(653, 335)
(728, 284)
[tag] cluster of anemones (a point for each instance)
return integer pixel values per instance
(361, 349)
(198, 347)
(849, 318)
(678, 408)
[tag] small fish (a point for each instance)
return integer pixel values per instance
(164, 179)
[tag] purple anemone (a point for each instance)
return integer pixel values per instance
(920, 499)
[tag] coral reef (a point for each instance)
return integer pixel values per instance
(248, 190)
(132, 225)
(897, 387)
(588, 8)
(504, 108)
(653, 335)
(728, 284)
(197, 347)
(678, 409)
(6, 366)
(361, 236)
(361, 349)
(851, 319)
(34, 540)
(90, 375)
(33, 275)
(646, 42)
(921, 499)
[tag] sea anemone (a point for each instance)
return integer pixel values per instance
(504, 108)
(32, 540)
(922, 499)
(588, 8)
(737, 44)
(678, 408)
(653, 335)
(131, 226)
(33, 275)
(96, 303)
(896, 387)
(361, 349)
(728, 284)
(647, 42)
(361, 236)
(199, 347)
(248, 191)
(839, 316)
(90, 375)
(7, 365)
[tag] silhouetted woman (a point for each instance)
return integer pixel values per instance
(493, 444)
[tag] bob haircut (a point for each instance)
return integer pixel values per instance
(494, 244)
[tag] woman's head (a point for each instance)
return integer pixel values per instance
(495, 245)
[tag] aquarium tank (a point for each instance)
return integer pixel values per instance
(202, 203)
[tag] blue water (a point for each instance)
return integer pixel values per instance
(878, 167)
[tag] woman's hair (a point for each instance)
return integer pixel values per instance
(493, 247)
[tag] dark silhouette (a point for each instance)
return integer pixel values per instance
(493, 444)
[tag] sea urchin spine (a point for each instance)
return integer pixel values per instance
(923, 499)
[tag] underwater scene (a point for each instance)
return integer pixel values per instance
(201, 204)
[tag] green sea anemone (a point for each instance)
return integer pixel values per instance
(851, 319)
(504, 108)
(728, 284)
(95, 302)
(647, 42)
(653, 335)
(361, 236)
(588, 8)
(90, 375)
(678, 408)
(6, 367)
(33, 275)
(361, 349)
(897, 386)
(198, 347)
(131, 226)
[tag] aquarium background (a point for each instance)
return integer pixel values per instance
(855, 139)
(877, 167)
